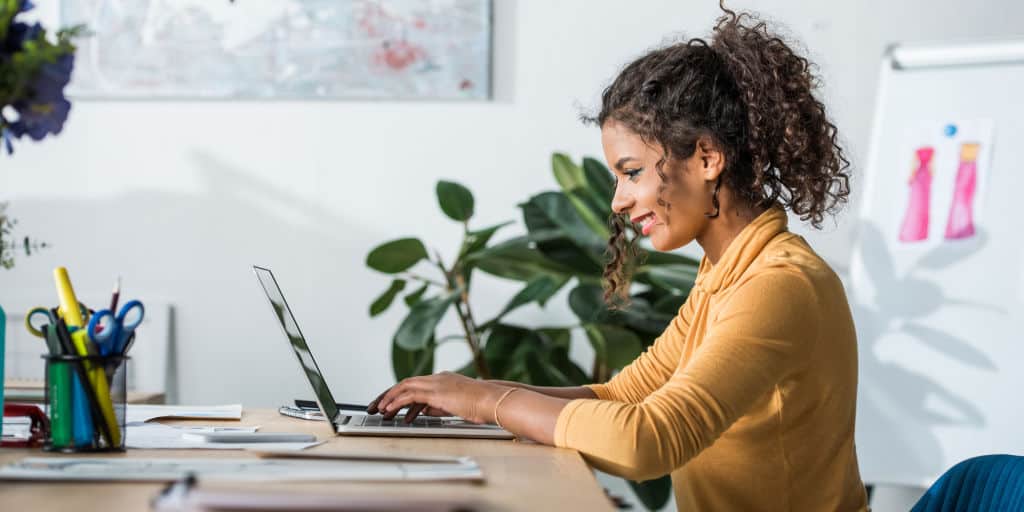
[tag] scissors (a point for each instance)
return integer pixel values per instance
(50, 318)
(45, 331)
(113, 336)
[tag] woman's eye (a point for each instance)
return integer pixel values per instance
(632, 173)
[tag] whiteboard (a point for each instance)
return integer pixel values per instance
(937, 293)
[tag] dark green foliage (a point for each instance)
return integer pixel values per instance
(396, 256)
(567, 233)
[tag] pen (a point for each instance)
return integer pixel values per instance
(97, 377)
(115, 295)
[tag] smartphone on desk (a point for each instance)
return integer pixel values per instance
(308, 410)
(345, 408)
(302, 413)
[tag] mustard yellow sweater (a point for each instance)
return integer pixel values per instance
(748, 398)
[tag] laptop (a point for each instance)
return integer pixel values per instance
(357, 424)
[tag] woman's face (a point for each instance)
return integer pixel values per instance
(636, 193)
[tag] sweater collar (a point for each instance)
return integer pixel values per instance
(742, 251)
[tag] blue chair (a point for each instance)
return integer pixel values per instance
(988, 482)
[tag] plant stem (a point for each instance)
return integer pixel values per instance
(415, 277)
(478, 356)
(472, 338)
(599, 374)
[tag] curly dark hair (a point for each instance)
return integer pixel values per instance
(751, 94)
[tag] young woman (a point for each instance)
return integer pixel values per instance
(748, 397)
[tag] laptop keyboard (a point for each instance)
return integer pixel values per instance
(420, 421)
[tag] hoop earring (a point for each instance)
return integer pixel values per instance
(714, 200)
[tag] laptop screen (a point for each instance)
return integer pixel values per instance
(297, 341)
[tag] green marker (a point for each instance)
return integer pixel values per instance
(60, 393)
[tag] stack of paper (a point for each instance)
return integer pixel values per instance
(159, 436)
(321, 469)
(143, 412)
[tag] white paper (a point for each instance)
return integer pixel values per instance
(154, 436)
(134, 469)
(17, 428)
(144, 412)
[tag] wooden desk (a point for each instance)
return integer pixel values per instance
(519, 476)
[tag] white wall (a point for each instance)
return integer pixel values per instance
(181, 197)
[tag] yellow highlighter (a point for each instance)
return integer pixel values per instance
(72, 315)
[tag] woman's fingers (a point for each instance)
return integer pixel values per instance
(407, 398)
(372, 408)
(414, 410)
(385, 402)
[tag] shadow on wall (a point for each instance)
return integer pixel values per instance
(894, 416)
(196, 251)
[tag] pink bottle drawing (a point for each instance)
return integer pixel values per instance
(961, 213)
(915, 221)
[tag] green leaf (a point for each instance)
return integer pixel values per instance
(556, 336)
(554, 243)
(503, 346)
(396, 256)
(414, 297)
(540, 290)
(418, 327)
(566, 372)
(652, 258)
(476, 240)
(599, 181)
(669, 303)
(384, 301)
(653, 494)
(641, 318)
(561, 211)
(615, 345)
(412, 363)
(595, 214)
(567, 174)
(515, 259)
(456, 201)
(672, 277)
(540, 371)
(587, 303)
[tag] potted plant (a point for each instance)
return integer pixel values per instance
(564, 246)
(33, 72)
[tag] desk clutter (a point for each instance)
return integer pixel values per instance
(84, 409)
(86, 368)
(270, 467)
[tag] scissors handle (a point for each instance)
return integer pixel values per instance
(122, 315)
(126, 326)
(34, 312)
(105, 339)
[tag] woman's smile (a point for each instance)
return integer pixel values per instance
(647, 222)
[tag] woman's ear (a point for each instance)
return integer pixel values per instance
(711, 158)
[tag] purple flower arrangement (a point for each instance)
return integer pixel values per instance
(33, 73)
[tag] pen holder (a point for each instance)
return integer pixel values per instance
(85, 400)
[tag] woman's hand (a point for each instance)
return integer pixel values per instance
(441, 394)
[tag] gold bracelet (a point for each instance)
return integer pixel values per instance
(496, 404)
